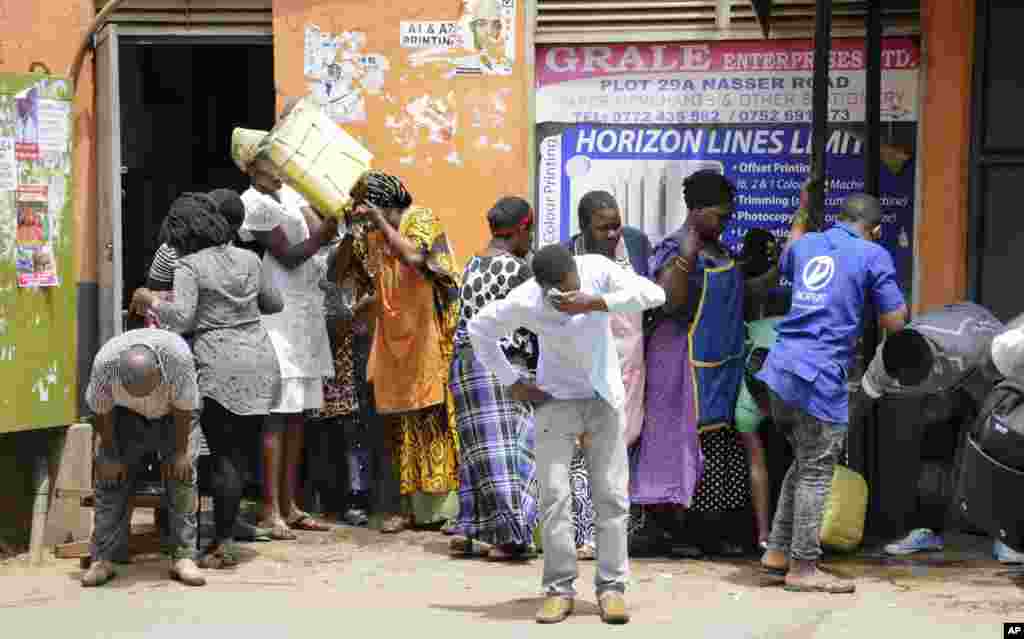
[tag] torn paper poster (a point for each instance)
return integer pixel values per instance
(26, 145)
(430, 35)
(54, 125)
(486, 42)
(436, 115)
(36, 267)
(8, 165)
(340, 74)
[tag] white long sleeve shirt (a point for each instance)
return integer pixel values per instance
(578, 359)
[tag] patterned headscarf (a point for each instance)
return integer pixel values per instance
(382, 190)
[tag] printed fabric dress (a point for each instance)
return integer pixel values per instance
(417, 311)
(497, 471)
(299, 332)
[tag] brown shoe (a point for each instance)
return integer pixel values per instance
(555, 609)
(613, 608)
(187, 572)
(819, 581)
(99, 573)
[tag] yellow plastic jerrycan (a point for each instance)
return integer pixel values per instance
(842, 527)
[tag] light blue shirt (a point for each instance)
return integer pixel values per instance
(578, 359)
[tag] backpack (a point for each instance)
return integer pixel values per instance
(999, 430)
(990, 466)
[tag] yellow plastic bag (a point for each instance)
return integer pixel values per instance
(842, 526)
(316, 157)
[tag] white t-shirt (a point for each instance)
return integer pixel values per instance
(299, 332)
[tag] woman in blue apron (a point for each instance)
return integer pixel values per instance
(690, 456)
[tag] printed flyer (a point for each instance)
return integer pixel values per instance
(35, 167)
(482, 41)
(637, 120)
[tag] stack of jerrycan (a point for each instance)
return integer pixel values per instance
(933, 375)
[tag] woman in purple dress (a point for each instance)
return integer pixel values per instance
(690, 456)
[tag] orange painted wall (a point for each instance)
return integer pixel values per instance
(48, 32)
(941, 240)
(460, 194)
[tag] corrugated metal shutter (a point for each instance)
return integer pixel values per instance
(609, 21)
(218, 16)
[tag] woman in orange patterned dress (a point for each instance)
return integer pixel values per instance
(405, 251)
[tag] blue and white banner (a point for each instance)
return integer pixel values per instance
(644, 168)
(756, 132)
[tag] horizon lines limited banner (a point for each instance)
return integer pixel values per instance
(636, 120)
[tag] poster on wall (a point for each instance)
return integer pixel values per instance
(35, 166)
(482, 41)
(340, 73)
(636, 120)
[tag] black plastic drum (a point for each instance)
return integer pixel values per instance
(988, 496)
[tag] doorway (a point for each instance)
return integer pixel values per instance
(996, 237)
(180, 98)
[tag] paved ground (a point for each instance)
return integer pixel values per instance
(356, 580)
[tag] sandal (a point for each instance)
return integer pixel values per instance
(586, 552)
(394, 524)
(508, 553)
(244, 531)
(819, 581)
(279, 531)
(223, 556)
(450, 527)
(462, 548)
(306, 522)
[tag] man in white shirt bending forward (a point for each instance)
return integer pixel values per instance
(578, 391)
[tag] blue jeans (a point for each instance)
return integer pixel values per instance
(135, 437)
(808, 483)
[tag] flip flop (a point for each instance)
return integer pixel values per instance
(306, 523)
(244, 531)
(279, 532)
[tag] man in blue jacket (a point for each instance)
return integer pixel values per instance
(834, 273)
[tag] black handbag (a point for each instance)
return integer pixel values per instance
(990, 472)
(999, 432)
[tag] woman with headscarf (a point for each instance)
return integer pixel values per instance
(497, 478)
(291, 234)
(602, 232)
(406, 252)
(219, 295)
(690, 456)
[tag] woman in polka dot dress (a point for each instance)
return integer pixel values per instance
(497, 479)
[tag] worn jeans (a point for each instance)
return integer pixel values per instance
(558, 423)
(135, 437)
(808, 482)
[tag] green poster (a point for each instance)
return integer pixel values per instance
(37, 277)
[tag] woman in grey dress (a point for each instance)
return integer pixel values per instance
(219, 295)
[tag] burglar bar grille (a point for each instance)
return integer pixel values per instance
(609, 21)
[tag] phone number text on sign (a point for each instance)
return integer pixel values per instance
(704, 117)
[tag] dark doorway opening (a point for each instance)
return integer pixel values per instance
(180, 100)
